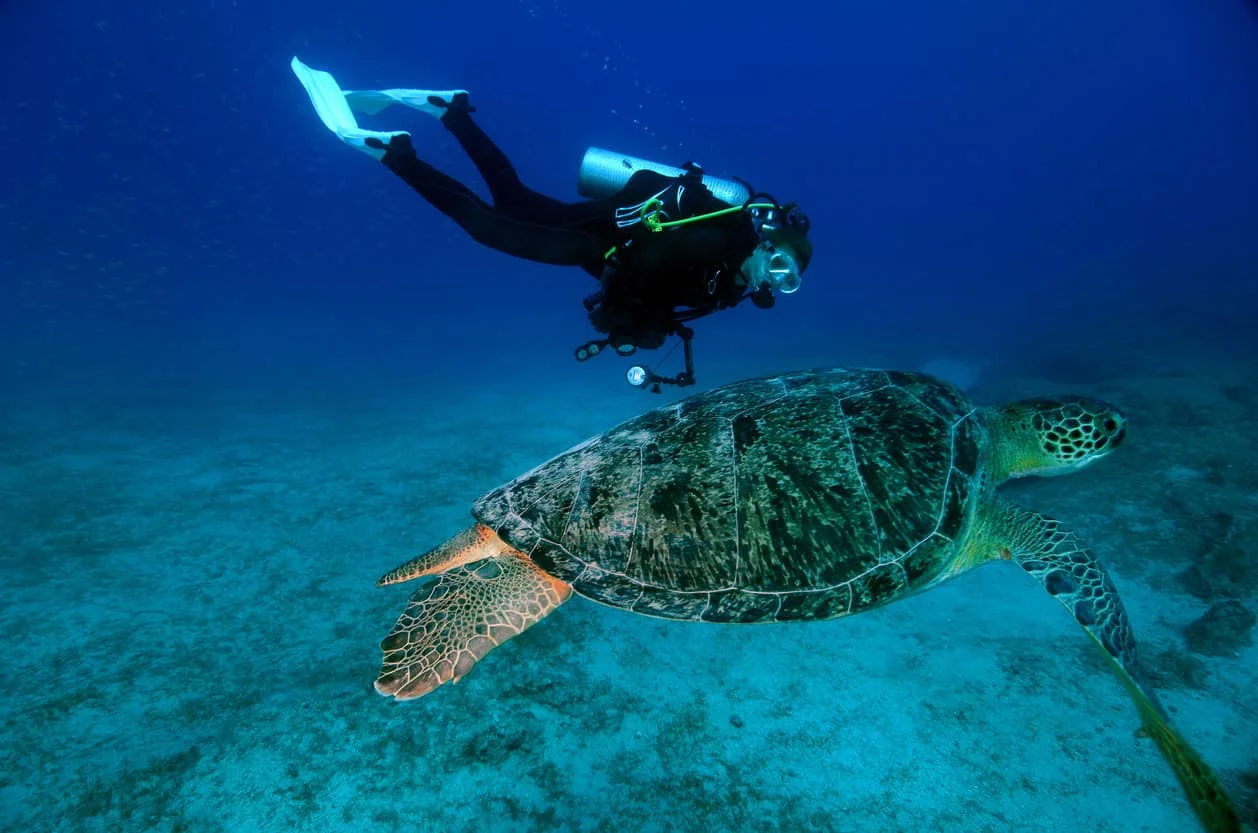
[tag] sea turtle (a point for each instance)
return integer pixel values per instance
(812, 495)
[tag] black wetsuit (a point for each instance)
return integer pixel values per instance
(654, 276)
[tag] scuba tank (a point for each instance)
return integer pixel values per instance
(604, 172)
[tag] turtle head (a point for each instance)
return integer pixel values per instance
(1054, 436)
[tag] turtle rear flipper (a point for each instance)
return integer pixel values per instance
(485, 593)
(1064, 566)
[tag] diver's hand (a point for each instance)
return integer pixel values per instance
(763, 298)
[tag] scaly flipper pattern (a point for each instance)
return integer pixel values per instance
(485, 593)
(472, 544)
(1058, 560)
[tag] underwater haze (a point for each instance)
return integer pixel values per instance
(245, 371)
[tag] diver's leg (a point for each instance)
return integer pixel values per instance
(508, 193)
(488, 225)
(532, 235)
(495, 168)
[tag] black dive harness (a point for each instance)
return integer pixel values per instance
(644, 377)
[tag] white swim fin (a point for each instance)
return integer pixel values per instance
(330, 103)
(373, 101)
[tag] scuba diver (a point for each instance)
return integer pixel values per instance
(668, 245)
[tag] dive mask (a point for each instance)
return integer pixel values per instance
(773, 269)
(780, 272)
(783, 227)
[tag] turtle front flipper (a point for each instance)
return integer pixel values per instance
(1056, 558)
(484, 594)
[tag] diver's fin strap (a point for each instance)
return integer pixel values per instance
(374, 101)
(334, 111)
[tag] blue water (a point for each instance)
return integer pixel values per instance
(244, 370)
